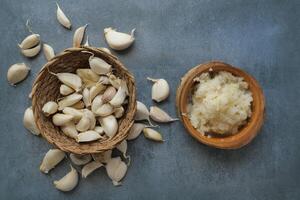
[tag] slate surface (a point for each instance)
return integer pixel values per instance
(261, 37)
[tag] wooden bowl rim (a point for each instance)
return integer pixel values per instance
(247, 133)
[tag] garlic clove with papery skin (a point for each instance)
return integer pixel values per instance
(65, 90)
(118, 40)
(61, 119)
(30, 41)
(80, 159)
(62, 18)
(17, 73)
(116, 170)
(50, 108)
(135, 131)
(99, 66)
(152, 135)
(51, 159)
(69, 129)
(160, 89)
(88, 136)
(29, 123)
(68, 182)
(103, 157)
(90, 167)
(159, 115)
(110, 125)
(142, 112)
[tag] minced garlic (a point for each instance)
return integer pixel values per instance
(220, 104)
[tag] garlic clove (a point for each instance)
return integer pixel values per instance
(48, 51)
(78, 105)
(97, 103)
(105, 50)
(68, 182)
(96, 89)
(51, 159)
(31, 52)
(160, 115)
(69, 79)
(78, 35)
(152, 134)
(110, 125)
(87, 44)
(87, 75)
(88, 136)
(114, 81)
(99, 66)
(90, 167)
(61, 119)
(50, 108)
(80, 159)
(142, 112)
(103, 157)
(122, 147)
(104, 110)
(160, 89)
(119, 112)
(90, 115)
(62, 18)
(69, 101)
(77, 114)
(30, 41)
(69, 130)
(99, 130)
(116, 170)
(120, 96)
(84, 124)
(29, 123)
(86, 97)
(109, 94)
(103, 79)
(135, 131)
(17, 73)
(65, 90)
(117, 40)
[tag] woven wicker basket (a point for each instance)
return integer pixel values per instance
(46, 88)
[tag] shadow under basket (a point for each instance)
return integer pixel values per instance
(246, 133)
(46, 88)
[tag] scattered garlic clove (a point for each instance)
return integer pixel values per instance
(109, 94)
(65, 90)
(78, 105)
(99, 130)
(62, 18)
(31, 52)
(50, 108)
(90, 115)
(152, 134)
(61, 119)
(68, 182)
(160, 115)
(110, 125)
(80, 159)
(120, 96)
(135, 131)
(103, 157)
(87, 75)
(84, 124)
(142, 112)
(117, 40)
(17, 73)
(116, 170)
(97, 103)
(88, 136)
(77, 114)
(160, 89)
(29, 123)
(96, 89)
(69, 130)
(30, 41)
(105, 50)
(78, 36)
(86, 97)
(119, 112)
(104, 110)
(90, 167)
(48, 51)
(69, 79)
(99, 66)
(51, 159)
(69, 101)
(122, 147)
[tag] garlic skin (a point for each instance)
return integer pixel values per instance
(68, 182)
(69, 101)
(69, 79)
(110, 125)
(50, 108)
(51, 159)
(30, 41)
(152, 135)
(159, 115)
(78, 36)
(88, 136)
(80, 159)
(116, 170)
(99, 66)
(29, 123)
(61, 119)
(135, 131)
(103, 157)
(65, 90)
(17, 73)
(32, 52)
(48, 51)
(118, 40)
(90, 167)
(160, 89)
(62, 18)
(69, 130)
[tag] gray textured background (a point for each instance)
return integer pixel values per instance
(261, 37)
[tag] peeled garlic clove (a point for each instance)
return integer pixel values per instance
(160, 89)
(120, 96)
(114, 81)
(142, 112)
(122, 147)
(119, 112)
(99, 130)
(69, 79)
(68, 182)
(69, 130)
(97, 103)
(103, 80)
(86, 97)
(50, 108)
(96, 89)
(30, 41)
(80, 159)
(99, 66)
(17, 73)
(103, 157)
(51, 159)
(78, 36)
(78, 105)
(31, 52)
(105, 50)
(152, 134)
(90, 115)
(88, 136)
(77, 114)
(65, 90)
(83, 124)
(69, 101)
(117, 40)
(160, 115)
(109, 94)
(135, 131)
(61, 119)
(116, 170)
(48, 51)
(104, 110)
(87, 75)
(110, 125)
(90, 167)
(62, 18)
(29, 123)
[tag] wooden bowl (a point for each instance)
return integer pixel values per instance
(46, 88)
(247, 132)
